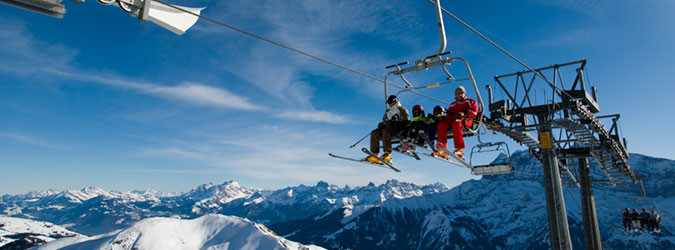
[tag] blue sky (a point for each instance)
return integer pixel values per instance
(99, 99)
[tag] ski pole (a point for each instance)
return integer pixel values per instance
(359, 140)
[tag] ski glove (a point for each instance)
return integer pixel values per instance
(460, 115)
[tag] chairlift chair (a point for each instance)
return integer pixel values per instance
(433, 61)
(438, 60)
(491, 169)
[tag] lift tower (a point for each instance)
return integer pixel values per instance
(568, 134)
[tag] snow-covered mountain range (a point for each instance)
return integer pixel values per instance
(108, 211)
(206, 232)
(505, 211)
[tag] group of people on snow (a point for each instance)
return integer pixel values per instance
(642, 222)
(396, 120)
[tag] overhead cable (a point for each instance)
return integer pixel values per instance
(295, 50)
(502, 49)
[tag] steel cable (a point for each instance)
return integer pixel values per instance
(297, 50)
(502, 50)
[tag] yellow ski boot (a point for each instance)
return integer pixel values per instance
(387, 157)
(441, 153)
(372, 159)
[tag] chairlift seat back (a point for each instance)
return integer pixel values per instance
(492, 169)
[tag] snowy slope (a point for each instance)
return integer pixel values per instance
(109, 211)
(495, 212)
(206, 232)
(23, 232)
(209, 197)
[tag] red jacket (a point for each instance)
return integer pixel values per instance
(467, 106)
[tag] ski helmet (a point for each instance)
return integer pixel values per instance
(438, 110)
(417, 110)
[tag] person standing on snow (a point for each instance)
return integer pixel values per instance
(626, 220)
(652, 221)
(644, 220)
(635, 218)
(657, 221)
(457, 114)
(395, 118)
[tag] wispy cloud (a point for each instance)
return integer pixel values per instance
(593, 8)
(22, 53)
(277, 78)
(207, 95)
(315, 116)
(571, 38)
(179, 153)
(187, 92)
(202, 94)
(274, 154)
(331, 35)
(29, 140)
(178, 171)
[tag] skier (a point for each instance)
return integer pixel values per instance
(634, 217)
(644, 220)
(462, 108)
(626, 220)
(416, 124)
(394, 119)
(431, 122)
(657, 221)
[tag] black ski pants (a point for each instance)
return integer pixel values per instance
(383, 133)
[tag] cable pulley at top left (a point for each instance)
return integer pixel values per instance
(177, 19)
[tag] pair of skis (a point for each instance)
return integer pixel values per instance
(431, 152)
(410, 149)
(403, 149)
(382, 163)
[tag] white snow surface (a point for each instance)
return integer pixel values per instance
(509, 209)
(212, 196)
(207, 232)
(43, 230)
(334, 195)
(56, 200)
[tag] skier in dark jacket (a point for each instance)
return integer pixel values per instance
(424, 124)
(431, 122)
(416, 124)
(395, 118)
(626, 220)
(644, 220)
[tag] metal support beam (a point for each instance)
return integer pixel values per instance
(590, 217)
(555, 201)
(582, 62)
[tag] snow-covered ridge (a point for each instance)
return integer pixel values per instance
(84, 209)
(206, 232)
(80, 196)
(228, 191)
(493, 212)
(370, 194)
(17, 229)
(210, 197)
(497, 212)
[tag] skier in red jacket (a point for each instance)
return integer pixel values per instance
(457, 114)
